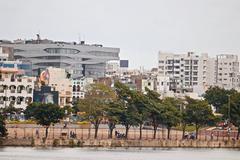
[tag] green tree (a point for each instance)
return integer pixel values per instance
(218, 97)
(44, 114)
(96, 102)
(112, 114)
(3, 129)
(171, 113)
(11, 110)
(199, 113)
(140, 102)
(128, 116)
(155, 109)
(234, 111)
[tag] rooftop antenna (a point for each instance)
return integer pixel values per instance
(38, 37)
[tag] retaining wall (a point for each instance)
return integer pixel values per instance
(121, 143)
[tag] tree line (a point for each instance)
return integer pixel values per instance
(131, 108)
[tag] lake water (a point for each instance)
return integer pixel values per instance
(21, 153)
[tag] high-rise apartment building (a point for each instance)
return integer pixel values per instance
(196, 73)
(187, 72)
(227, 71)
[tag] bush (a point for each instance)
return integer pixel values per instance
(22, 122)
(56, 142)
(71, 143)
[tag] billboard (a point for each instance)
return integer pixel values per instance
(124, 63)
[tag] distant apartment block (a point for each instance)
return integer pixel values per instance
(227, 71)
(196, 73)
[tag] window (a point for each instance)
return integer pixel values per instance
(177, 67)
(169, 61)
(8, 65)
(187, 67)
(195, 62)
(186, 73)
(195, 78)
(195, 73)
(195, 67)
(186, 61)
(61, 50)
(161, 67)
(161, 61)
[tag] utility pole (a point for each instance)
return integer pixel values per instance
(229, 118)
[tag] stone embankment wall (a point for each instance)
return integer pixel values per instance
(121, 143)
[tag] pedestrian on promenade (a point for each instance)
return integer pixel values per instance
(37, 133)
(15, 134)
(211, 135)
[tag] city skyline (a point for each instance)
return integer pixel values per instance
(139, 29)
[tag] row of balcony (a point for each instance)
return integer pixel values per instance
(15, 80)
(15, 100)
(16, 89)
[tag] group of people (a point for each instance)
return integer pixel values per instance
(119, 135)
(72, 134)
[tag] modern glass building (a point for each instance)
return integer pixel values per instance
(25, 67)
(78, 59)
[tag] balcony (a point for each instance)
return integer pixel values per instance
(12, 90)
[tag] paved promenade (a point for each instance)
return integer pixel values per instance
(20, 131)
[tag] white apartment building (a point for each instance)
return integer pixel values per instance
(148, 83)
(15, 89)
(196, 73)
(79, 87)
(227, 71)
(186, 72)
(163, 85)
(112, 69)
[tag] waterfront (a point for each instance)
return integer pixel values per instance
(21, 153)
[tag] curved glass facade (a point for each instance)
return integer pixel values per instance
(61, 50)
(78, 60)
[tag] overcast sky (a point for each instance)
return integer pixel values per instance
(140, 28)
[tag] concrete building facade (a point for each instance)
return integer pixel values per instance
(227, 71)
(15, 88)
(78, 59)
(79, 88)
(196, 73)
(58, 81)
